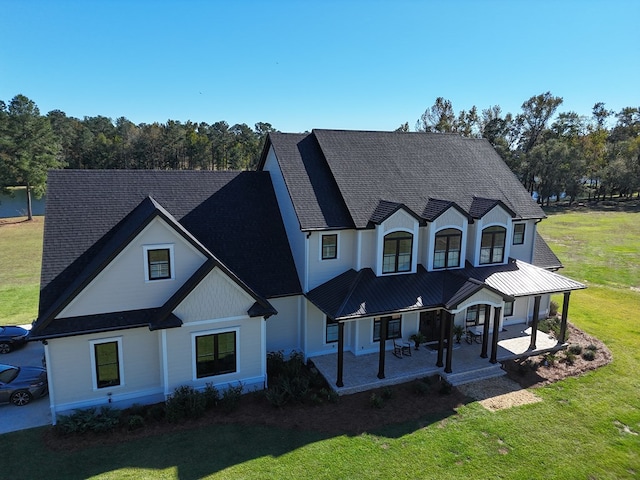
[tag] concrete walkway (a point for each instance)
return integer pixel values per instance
(360, 372)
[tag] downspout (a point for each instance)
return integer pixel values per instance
(165, 363)
(305, 287)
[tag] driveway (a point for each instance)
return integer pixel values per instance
(37, 412)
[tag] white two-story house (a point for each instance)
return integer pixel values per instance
(342, 242)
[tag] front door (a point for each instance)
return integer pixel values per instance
(430, 325)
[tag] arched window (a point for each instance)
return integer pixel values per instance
(492, 245)
(446, 252)
(396, 256)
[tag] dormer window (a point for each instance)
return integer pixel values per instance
(396, 256)
(492, 245)
(158, 262)
(447, 248)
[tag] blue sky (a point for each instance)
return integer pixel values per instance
(299, 65)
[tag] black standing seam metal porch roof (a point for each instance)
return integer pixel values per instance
(362, 294)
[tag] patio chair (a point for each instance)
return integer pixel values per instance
(401, 347)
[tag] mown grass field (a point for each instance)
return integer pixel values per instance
(20, 258)
(585, 428)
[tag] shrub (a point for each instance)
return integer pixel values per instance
(420, 387)
(592, 347)
(211, 396)
(156, 412)
(550, 359)
(295, 387)
(329, 395)
(550, 325)
(553, 308)
(135, 422)
(276, 396)
(294, 366)
(575, 349)
(376, 401)
(275, 363)
(569, 357)
(184, 403)
(231, 398)
(589, 355)
(387, 393)
(90, 419)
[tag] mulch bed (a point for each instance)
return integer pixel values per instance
(352, 414)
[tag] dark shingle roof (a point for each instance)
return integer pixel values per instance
(362, 294)
(233, 215)
(543, 256)
(313, 191)
(405, 168)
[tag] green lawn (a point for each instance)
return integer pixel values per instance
(586, 427)
(20, 258)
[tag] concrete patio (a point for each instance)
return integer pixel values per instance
(360, 372)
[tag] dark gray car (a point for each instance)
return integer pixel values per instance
(12, 337)
(20, 385)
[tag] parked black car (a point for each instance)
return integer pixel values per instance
(12, 337)
(20, 385)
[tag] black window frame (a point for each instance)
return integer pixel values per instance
(394, 331)
(334, 335)
(214, 365)
(518, 237)
(394, 240)
(100, 366)
(478, 312)
(447, 234)
(508, 309)
(151, 251)
(327, 248)
(491, 233)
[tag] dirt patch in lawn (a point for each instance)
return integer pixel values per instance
(421, 402)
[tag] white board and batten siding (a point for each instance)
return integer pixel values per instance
(121, 286)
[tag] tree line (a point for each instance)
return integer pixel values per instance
(552, 154)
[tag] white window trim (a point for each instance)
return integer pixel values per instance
(145, 260)
(337, 257)
(194, 371)
(92, 351)
(507, 244)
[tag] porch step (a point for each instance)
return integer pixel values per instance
(468, 376)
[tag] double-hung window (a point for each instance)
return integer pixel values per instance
(492, 245)
(447, 248)
(396, 256)
(158, 262)
(394, 327)
(329, 246)
(215, 354)
(518, 233)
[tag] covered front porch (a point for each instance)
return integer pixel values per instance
(360, 373)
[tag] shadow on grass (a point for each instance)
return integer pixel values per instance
(197, 451)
